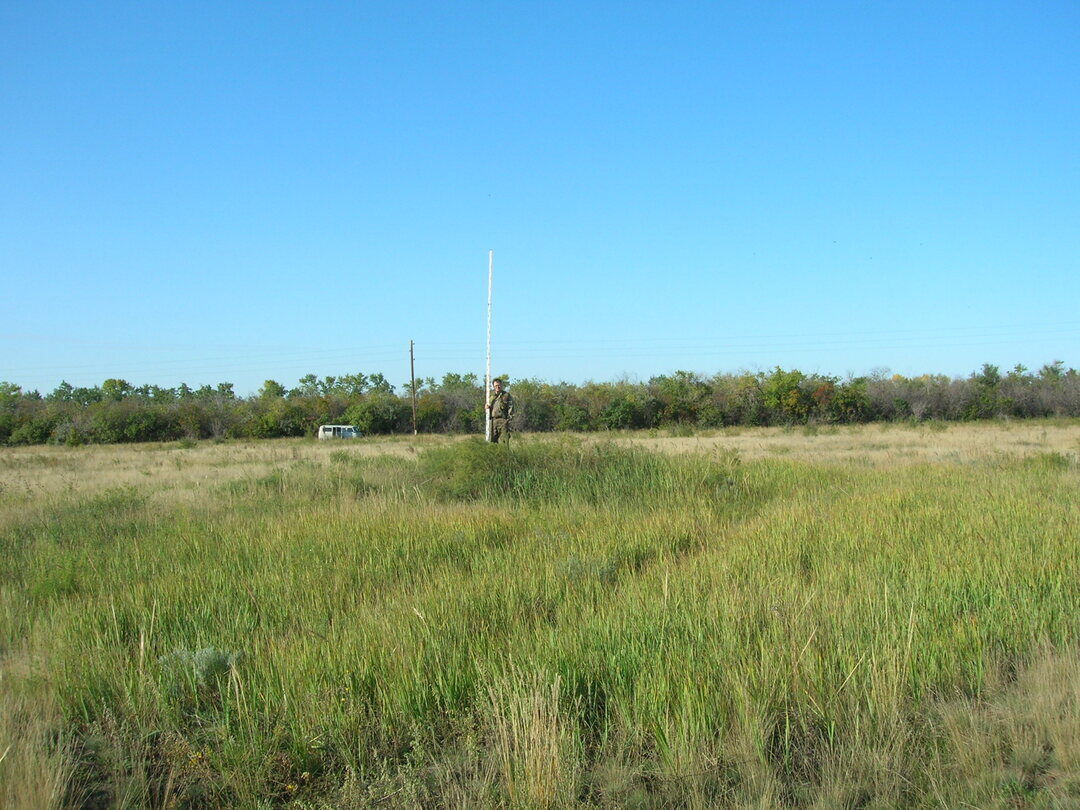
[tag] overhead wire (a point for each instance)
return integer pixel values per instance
(271, 361)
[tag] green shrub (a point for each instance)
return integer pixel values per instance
(36, 431)
(571, 417)
(379, 413)
(621, 414)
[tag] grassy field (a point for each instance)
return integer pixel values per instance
(825, 617)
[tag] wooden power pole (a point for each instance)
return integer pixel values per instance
(412, 385)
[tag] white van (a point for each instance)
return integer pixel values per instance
(338, 432)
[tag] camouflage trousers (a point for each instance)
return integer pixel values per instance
(500, 430)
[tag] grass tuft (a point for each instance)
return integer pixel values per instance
(570, 470)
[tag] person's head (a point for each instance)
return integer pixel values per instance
(497, 384)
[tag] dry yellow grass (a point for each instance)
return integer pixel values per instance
(39, 470)
(171, 468)
(882, 445)
(36, 765)
(534, 744)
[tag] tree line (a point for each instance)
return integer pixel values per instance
(117, 411)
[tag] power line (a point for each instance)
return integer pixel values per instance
(393, 348)
(524, 351)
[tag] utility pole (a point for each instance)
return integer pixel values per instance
(487, 375)
(412, 385)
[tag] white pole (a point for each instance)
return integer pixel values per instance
(487, 375)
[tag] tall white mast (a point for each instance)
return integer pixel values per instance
(487, 375)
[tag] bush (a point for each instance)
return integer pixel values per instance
(430, 413)
(571, 417)
(680, 396)
(34, 431)
(379, 413)
(277, 418)
(850, 402)
(119, 412)
(621, 414)
(782, 393)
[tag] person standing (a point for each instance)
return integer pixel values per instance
(501, 406)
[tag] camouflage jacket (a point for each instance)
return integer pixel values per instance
(502, 405)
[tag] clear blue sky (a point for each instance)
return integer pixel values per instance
(208, 192)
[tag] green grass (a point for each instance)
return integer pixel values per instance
(568, 471)
(557, 624)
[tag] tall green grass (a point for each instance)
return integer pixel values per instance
(560, 624)
(568, 470)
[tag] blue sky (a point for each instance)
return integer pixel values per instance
(209, 192)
